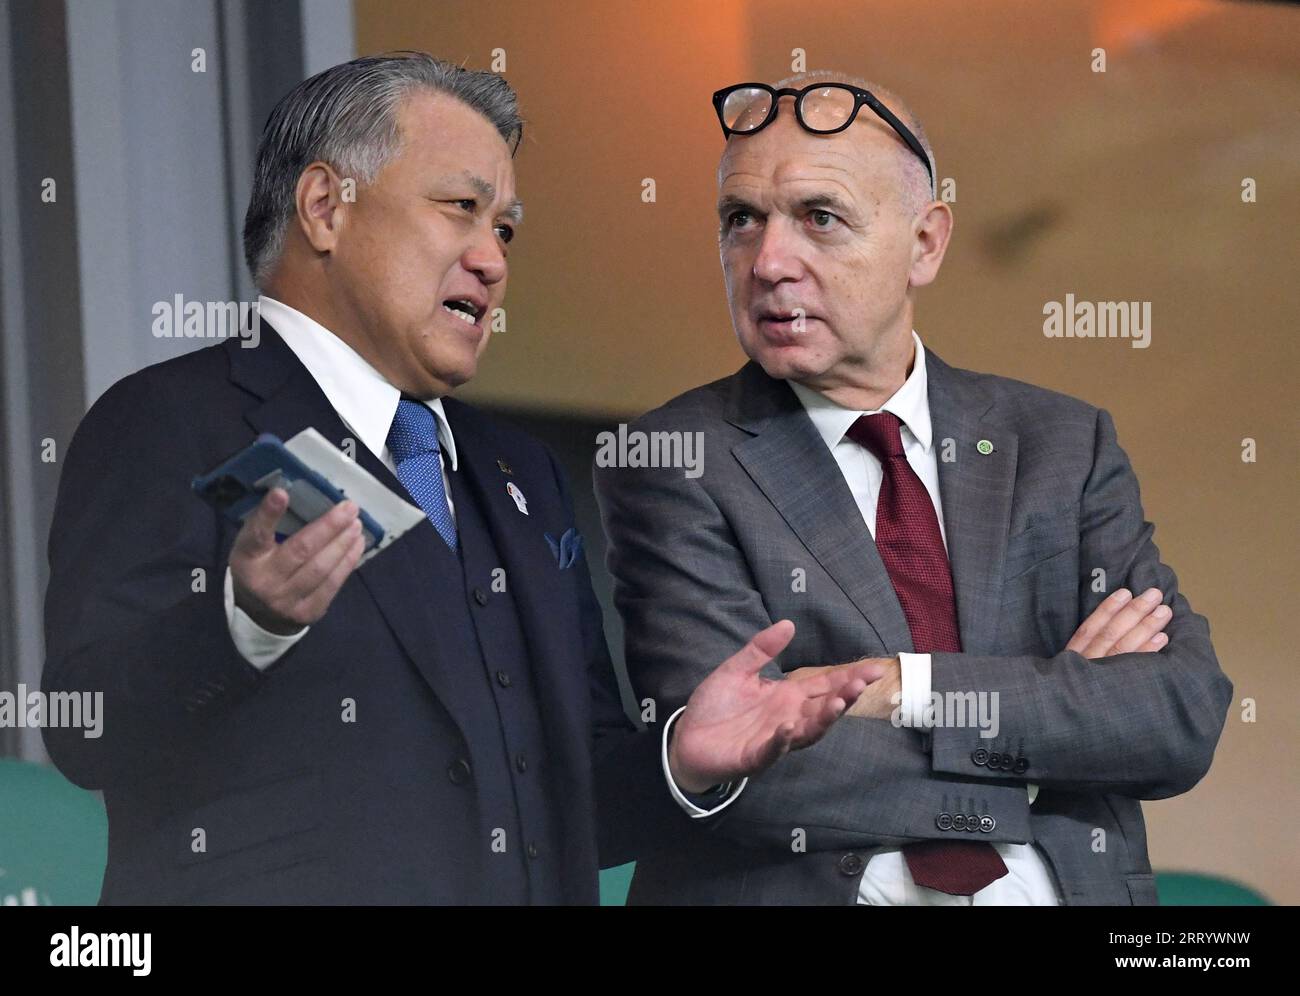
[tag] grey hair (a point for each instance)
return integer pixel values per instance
(347, 116)
(917, 189)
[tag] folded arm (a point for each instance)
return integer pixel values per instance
(1139, 724)
(689, 600)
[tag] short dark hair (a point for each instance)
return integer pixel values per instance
(347, 116)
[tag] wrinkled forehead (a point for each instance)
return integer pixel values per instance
(783, 159)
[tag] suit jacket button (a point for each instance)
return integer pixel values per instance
(944, 821)
(972, 823)
(850, 864)
(995, 760)
(987, 823)
(480, 596)
(458, 771)
(503, 679)
(959, 821)
(980, 756)
(1008, 762)
(521, 763)
(1022, 765)
(533, 851)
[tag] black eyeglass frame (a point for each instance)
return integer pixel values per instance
(860, 97)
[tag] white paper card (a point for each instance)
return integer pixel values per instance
(394, 514)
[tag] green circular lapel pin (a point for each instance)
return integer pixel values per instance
(984, 446)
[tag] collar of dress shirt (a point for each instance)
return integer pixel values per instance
(910, 403)
(359, 393)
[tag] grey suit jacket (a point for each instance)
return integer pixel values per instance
(770, 530)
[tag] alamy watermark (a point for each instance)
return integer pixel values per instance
(683, 450)
(58, 710)
(182, 319)
(1073, 319)
(95, 950)
(961, 710)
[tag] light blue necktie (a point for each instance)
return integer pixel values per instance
(413, 444)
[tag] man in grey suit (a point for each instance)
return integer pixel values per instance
(976, 537)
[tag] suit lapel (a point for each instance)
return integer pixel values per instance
(791, 465)
(975, 490)
(291, 400)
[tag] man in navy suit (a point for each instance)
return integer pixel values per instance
(440, 724)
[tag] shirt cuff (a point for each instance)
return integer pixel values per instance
(1033, 793)
(915, 702)
(696, 812)
(256, 645)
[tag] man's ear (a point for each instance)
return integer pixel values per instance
(931, 231)
(321, 210)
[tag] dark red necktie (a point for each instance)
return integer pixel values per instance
(911, 547)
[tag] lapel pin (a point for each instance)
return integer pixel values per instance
(984, 446)
(520, 501)
(505, 467)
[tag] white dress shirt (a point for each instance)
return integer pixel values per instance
(366, 403)
(886, 880)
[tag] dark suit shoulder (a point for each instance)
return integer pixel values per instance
(1008, 390)
(1029, 407)
(164, 397)
(1057, 435)
(174, 379)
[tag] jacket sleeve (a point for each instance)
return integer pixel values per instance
(1143, 725)
(689, 601)
(133, 611)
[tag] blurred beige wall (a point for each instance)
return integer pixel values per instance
(1123, 185)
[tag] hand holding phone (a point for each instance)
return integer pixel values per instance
(286, 586)
(299, 537)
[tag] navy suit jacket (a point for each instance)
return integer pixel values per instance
(291, 803)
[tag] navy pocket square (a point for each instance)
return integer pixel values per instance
(568, 547)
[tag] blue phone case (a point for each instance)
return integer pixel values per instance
(237, 487)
